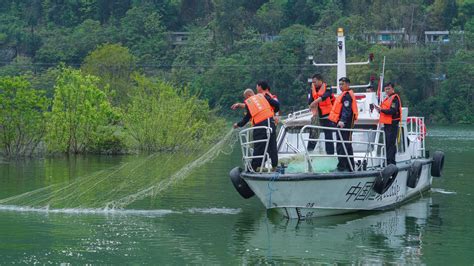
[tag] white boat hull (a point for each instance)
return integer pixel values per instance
(306, 198)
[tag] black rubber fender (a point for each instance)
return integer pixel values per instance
(240, 185)
(414, 174)
(438, 164)
(385, 179)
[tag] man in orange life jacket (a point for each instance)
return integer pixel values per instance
(260, 109)
(320, 99)
(262, 87)
(390, 113)
(344, 113)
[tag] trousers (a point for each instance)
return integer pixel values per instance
(391, 134)
(343, 161)
(259, 148)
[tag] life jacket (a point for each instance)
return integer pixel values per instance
(387, 104)
(259, 108)
(325, 105)
(274, 97)
(335, 114)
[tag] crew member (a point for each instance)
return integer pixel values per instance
(320, 100)
(390, 113)
(344, 113)
(259, 111)
(262, 87)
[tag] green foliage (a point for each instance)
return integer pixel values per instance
(21, 66)
(80, 114)
(224, 83)
(143, 31)
(232, 44)
(72, 44)
(270, 17)
(193, 58)
(160, 119)
(457, 95)
(21, 117)
(115, 65)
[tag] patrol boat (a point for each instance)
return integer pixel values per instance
(307, 183)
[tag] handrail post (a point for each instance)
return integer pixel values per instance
(245, 144)
(345, 149)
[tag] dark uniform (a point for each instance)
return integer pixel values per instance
(323, 121)
(391, 129)
(259, 148)
(347, 116)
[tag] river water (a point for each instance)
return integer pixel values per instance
(146, 209)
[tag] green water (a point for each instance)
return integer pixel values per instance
(52, 211)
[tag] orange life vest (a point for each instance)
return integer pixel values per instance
(335, 114)
(274, 97)
(386, 104)
(325, 105)
(259, 108)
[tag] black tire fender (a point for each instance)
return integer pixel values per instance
(437, 164)
(385, 179)
(240, 185)
(414, 174)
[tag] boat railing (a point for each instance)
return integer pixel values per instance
(247, 144)
(416, 132)
(374, 153)
(298, 113)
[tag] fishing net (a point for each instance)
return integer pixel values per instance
(119, 186)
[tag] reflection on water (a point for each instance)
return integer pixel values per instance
(385, 237)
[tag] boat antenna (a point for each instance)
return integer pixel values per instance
(380, 87)
(341, 61)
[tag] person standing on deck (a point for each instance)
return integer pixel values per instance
(320, 100)
(344, 113)
(390, 114)
(263, 88)
(260, 110)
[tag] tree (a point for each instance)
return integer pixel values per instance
(282, 64)
(458, 109)
(228, 23)
(160, 119)
(270, 17)
(114, 64)
(71, 45)
(21, 116)
(441, 14)
(79, 114)
(144, 33)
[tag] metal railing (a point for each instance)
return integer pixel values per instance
(374, 153)
(416, 132)
(247, 143)
(298, 113)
